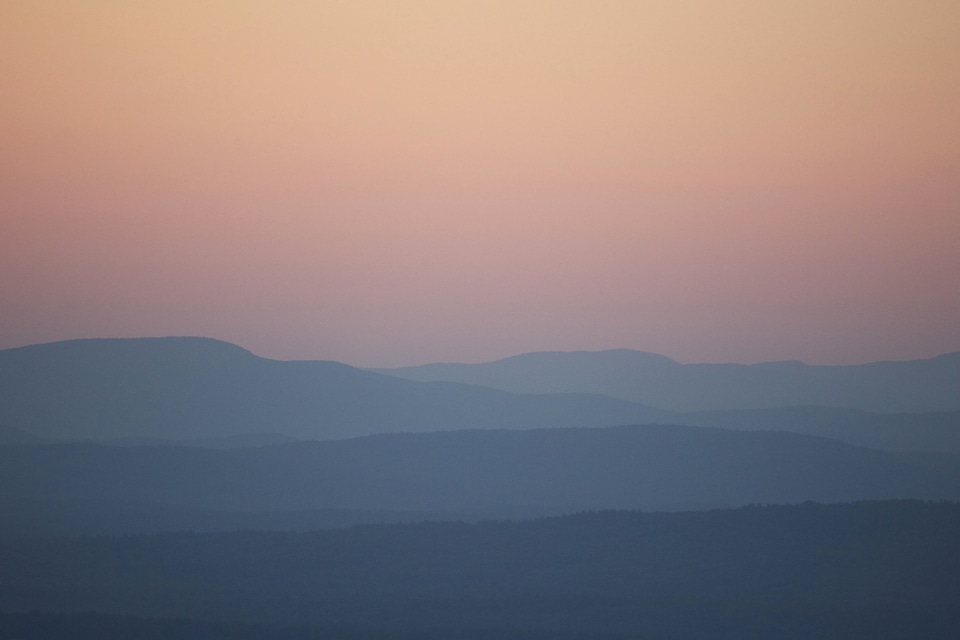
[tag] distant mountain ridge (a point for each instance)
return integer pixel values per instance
(197, 388)
(654, 380)
(203, 392)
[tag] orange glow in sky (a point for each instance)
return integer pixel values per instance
(388, 183)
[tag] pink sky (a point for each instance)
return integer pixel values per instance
(388, 183)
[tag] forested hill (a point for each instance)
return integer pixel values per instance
(849, 570)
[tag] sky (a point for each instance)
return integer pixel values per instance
(394, 183)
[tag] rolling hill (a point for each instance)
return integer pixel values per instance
(658, 381)
(866, 570)
(195, 388)
(652, 467)
(203, 392)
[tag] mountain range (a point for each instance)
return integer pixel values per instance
(360, 504)
(204, 392)
(456, 473)
(655, 380)
(190, 388)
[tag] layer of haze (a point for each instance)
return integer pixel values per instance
(388, 183)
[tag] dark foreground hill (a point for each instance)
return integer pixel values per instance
(461, 472)
(908, 386)
(191, 388)
(865, 570)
